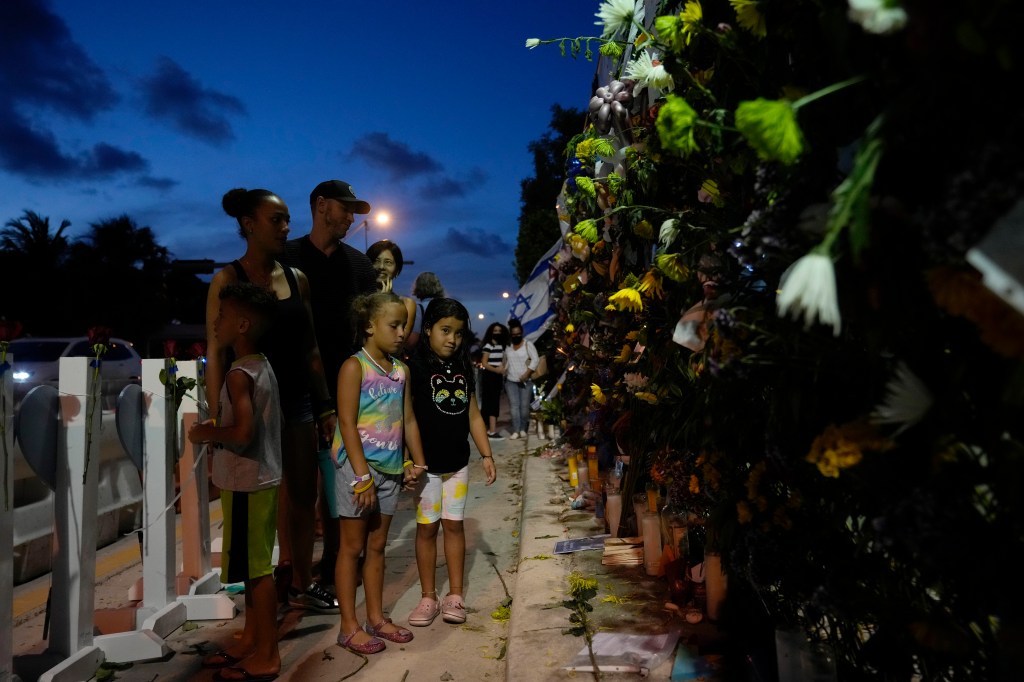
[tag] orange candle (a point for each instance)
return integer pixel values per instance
(592, 464)
(574, 476)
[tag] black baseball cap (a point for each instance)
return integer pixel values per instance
(341, 191)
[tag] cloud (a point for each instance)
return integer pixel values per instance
(395, 158)
(40, 64)
(447, 186)
(478, 243)
(156, 183)
(36, 153)
(173, 95)
(43, 68)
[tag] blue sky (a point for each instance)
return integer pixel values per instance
(156, 109)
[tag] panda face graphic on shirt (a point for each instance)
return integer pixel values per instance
(451, 395)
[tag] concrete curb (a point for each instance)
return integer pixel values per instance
(537, 647)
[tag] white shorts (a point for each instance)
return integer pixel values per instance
(442, 496)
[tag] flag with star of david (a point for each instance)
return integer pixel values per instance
(532, 305)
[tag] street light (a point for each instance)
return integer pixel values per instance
(383, 218)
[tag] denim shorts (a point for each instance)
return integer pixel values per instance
(388, 487)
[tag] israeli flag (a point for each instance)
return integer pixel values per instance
(532, 305)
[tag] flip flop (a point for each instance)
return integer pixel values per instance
(246, 676)
(226, 659)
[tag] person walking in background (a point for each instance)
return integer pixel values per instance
(376, 423)
(521, 361)
(337, 273)
(247, 468)
(426, 287)
(290, 345)
(443, 396)
(492, 371)
(387, 260)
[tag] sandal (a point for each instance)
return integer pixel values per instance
(243, 675)
(399, 636)
(425, 612)
(453, 609)
(219, 659)
(374, 646)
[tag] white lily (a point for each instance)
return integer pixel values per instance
(619, 16)
(532, 42)
(808, 290)
(649, 74)
(907, 400)
(877, 16)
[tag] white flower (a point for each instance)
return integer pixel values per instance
(619, 16)
(649, 74)
(808, 289)
(532, 42)
(907, 400)
(668, 233)
(877, 16)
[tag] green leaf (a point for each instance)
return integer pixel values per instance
(770, 128)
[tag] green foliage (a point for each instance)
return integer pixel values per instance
(849, 528)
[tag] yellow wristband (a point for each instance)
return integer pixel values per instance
(366, 486)
(406, 464)
(325, 414)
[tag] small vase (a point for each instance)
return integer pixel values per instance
(716, 583)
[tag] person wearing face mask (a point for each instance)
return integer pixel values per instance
(521, 360)
(492, 369)
(387, 261)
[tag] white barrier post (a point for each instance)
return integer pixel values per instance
(203, 584)
(159, 614)
(74, 567)
(7, 519)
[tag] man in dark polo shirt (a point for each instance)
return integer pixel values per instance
(337, 273)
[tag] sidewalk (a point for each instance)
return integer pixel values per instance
(511, 530)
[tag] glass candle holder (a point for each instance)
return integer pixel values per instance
(613, 512)
(651, 525)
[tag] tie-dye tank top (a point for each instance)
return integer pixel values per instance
(381, 421)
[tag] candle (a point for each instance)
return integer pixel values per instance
(639, 508)
(651, 525)
(652, 498)
(716, 582)
(612, 512)
(592, 464)
(573, 471)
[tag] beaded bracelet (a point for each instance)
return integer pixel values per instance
(369, 484)
(420, 466)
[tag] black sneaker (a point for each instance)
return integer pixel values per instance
(495, 436)
(316, 597)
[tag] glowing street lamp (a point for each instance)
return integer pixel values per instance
(383, 218)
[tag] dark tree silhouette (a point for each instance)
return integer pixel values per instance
(538, 219)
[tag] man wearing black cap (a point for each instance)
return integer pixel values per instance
(337, 273)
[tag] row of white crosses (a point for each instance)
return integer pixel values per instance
(164, 607)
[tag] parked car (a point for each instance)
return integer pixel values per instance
(37, 361)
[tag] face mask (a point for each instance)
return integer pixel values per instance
(516, 338)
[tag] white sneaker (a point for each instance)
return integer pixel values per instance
(514, 436)
(522, 434)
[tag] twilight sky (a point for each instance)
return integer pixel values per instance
(155, 110)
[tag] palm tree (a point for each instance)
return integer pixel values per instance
(121, 274)
(30, 252)
(29, 237)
